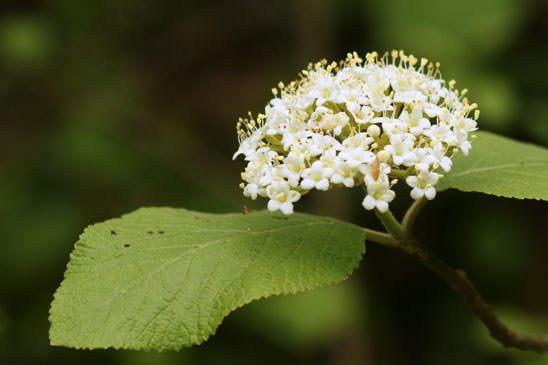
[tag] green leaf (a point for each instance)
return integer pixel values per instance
(164, 278)
(500, 166)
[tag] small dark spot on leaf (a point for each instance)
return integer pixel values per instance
(127, 245)
(113, 233)
(195, 246)
(161, 232)
(150, 232)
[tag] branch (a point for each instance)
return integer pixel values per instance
(458, 281)
(399, 236)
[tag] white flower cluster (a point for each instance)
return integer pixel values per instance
(372, 123)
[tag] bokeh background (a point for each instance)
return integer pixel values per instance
(107, 106)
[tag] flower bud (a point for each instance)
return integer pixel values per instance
(383, 156)
(374, 131)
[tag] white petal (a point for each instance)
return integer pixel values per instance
(431, 178)
(388, 196)
(368, 202)
(382, 206)
(273, 205)
(349, 182)
(294, 196)
(424, 123)
(430, 193)
(336, 179)
(368, 157)
(307, 184)
(412, 181)
(417, 193)
(446, 163)
(286, 208)
(323, 184)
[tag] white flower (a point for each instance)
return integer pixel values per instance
(249, 145)
(423, 158)
(292, 167)
(343, 173)
(355, 122)
(362, 114)
(463, 143)
(423, 185)
(378, 195)
(323, 88)
(438, 152)
(281, 197)
(317, 176)
(441, 133)
(277, 119)
(391, 125)
(401, 149)
(357, 156)
(251, 190)
(414, 120)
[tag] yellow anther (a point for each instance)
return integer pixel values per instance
(412, 60)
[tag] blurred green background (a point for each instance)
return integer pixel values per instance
(107, 106)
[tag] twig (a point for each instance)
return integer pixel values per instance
(412, 214)
(380, 238)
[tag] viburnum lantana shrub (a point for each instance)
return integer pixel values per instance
(164, 278)
(356, 123)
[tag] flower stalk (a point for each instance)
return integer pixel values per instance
(391, 224)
